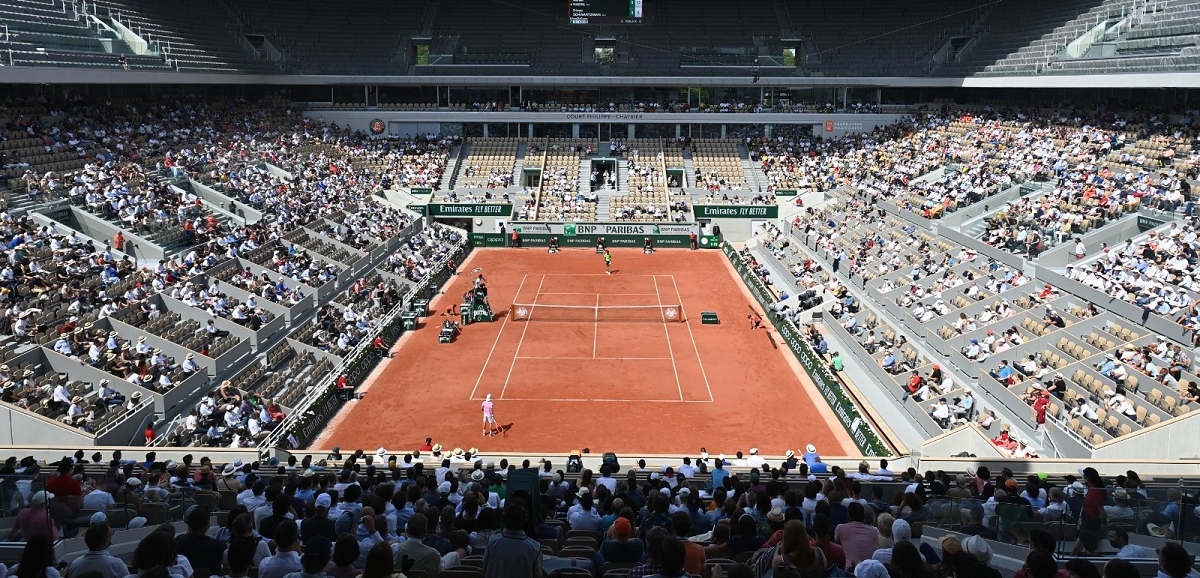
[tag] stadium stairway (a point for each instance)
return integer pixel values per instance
(754, 175)
(585, 175)
(454, 170)
(689, 168)
(519, 166)
(623, 176)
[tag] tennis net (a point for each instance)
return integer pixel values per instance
(593, 313)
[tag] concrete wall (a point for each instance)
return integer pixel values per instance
(249, 214)
(25, 428)
(128, 431)
(98, 228)
(971, 439)
(282, 314)
(1112, 233)
(408, 122)
(1165, 441)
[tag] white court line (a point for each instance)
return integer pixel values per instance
(699, 361)
(602, 358)
(592, 399)
(593, 275)
(503, 324)
(606, 293)
(596, 326)
(532, 307)
(667, 333)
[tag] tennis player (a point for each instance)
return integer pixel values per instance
(607, 262)
(489, 419)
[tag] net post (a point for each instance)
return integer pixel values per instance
(512, 312)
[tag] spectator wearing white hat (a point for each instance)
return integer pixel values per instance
(35, 519)
(901, 532)
(810, 455)
(755, 460)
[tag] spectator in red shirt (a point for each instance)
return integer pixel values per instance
(1091, 516)
(67, 492)
(1039, 407)
(834, 555)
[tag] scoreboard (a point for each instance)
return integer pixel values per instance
(605, 11)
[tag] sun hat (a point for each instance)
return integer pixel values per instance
(790, 454)
(228, 470)
(978, 547)
(42, 497)
(775, 515)
(811, 448)
(477, 475)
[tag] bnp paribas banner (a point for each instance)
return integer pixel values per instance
(606, 229)
(538, 234)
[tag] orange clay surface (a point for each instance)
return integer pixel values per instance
(628, 383)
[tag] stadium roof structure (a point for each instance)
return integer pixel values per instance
(903, 43)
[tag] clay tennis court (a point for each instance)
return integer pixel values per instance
(614, 362)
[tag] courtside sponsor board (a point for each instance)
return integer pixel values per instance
(470, 210)
(605, 229)
(736, 211)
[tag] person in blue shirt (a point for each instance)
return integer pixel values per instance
(1107, 367)
(1004, 372)
(889, 362)
(810, 456)
(719, 473)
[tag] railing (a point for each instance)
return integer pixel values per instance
(1150, 518)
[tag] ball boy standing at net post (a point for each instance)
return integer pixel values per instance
(607, 262)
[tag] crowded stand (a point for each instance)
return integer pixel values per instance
(646, 162)
(153, 323)
(453, 512)
(559, 197)
(1065, 359)
(1154, 272)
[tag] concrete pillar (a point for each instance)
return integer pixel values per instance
(723, 127)
(632, 131)
(485, 130)
(575, 130)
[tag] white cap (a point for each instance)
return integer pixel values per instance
(323, 501)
